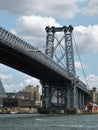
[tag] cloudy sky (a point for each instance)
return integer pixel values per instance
(28, 19)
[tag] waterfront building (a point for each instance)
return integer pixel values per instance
(11, 95)
(20, 99)
(95, 95)
(29, 97)
(25, 99)
(24, 95)
(2, 94)
(35, 91)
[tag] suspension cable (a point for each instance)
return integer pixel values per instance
(80, 61)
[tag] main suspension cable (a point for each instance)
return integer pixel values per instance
(80, 61)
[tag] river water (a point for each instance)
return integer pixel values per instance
(48, 122)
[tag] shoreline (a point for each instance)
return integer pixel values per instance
(17, 110)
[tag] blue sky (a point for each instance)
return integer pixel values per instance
(28, 19)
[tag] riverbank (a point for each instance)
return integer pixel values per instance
(31, 110)
(17, 110)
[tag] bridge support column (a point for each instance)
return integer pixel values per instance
(58, 99)
(46, 97)
(69, 97)
(61, 100)
(47, 93)
(82, 100)
(79, 99)
(65, 99)
(75, 97)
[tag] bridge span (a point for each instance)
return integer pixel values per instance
(22, 56)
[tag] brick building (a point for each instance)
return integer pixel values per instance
(35, 92)
(20, 99)
(93, 105)
(29, 97)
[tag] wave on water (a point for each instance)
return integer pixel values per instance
(39, 119)
(76, 126)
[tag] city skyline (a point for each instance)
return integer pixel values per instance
(28, 21)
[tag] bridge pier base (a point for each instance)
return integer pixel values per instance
(71, 96)
(75, 99)
(69, 99)
(47, 92)
(61, 100)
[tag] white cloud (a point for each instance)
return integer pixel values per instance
(32, 28)
(91, 9)
(28, 80)
(8, 82)
(58, 8)
(86, 38)
(12, 84)
(79, 65)
(8, 78)
(92, 81)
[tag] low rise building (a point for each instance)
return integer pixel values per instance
(11, 95)
(24, 95)
(94, 95)
(35, 92)
(29, 97)
(20, 99)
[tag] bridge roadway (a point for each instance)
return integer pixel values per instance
(18, 54)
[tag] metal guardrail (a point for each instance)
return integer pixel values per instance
(11, 38)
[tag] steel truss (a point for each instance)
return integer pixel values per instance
(66, 98)
(47, 92)
(61, 98)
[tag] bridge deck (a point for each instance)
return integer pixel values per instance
(18, 54)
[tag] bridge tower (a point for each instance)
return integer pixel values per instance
(47, 89)
(71, 88)
(66, 59)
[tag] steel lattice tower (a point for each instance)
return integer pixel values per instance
(69, 91)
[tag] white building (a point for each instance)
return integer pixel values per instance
(2, 94)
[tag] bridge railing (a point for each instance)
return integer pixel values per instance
(11, 38)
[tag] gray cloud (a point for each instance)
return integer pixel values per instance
(86, 38)
(58, 9)
(91, 9)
